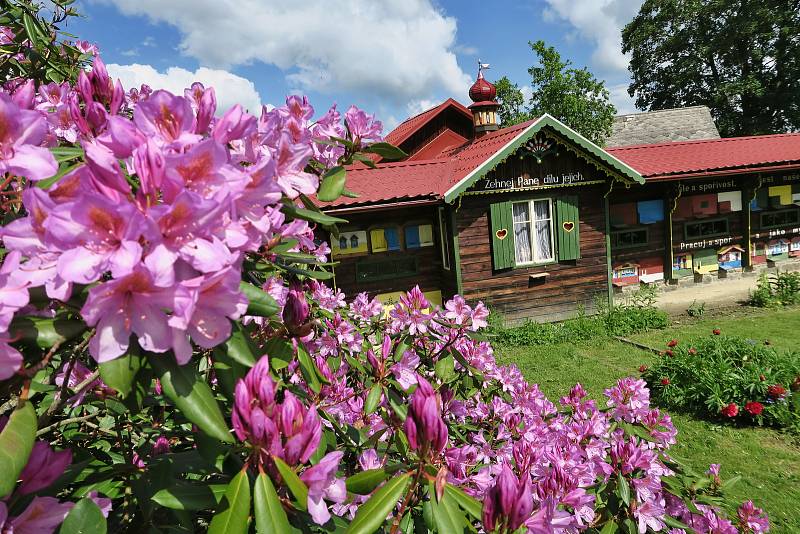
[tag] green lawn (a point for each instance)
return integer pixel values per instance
(768, 461)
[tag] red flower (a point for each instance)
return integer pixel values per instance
(665, 381)
(754, 408)
(669, 353)
(776, 391)
(692, 351)
(642, 368)
(730, 410)
(672, 342)
(716, 331)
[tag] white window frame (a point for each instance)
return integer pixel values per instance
(532, 229)
(443, 240)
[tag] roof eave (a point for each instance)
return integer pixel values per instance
(543, 121)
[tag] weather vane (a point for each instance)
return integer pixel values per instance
(482, 67)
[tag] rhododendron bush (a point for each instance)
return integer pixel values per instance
(172, 359)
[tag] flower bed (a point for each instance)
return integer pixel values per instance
(729, 378)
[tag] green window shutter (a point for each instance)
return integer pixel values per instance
(502, 236)
(568, 228)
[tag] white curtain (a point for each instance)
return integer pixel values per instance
(544, 239)
(522, 232)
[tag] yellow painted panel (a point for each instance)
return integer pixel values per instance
(784, 192)
(360, 236)
(378, 237)
(425, 235)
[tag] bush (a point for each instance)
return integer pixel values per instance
(729, 378)
(636, 314)
(782, 289)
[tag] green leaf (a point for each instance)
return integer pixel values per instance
(373, 398)
(259, 302)
(280, 352)
(728, 484)
(364, 482)
(308, 368)
(446, 514)
(16, 443)
(233, 518)
(471, 505)
(372, 513)
(623, 489)
(293, 482)
(332, 184)
(386, 151)
(66, 153)
(186, 388)
(445, 368)
(238, 346)
(610, 528)
(44, 333)
(674, 523)
(120, 373)
(84, 518)
(194, 497)
(270, 515)
(310, 215)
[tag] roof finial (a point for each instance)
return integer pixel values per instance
(482, 67)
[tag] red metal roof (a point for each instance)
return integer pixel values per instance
(672, 160)
(407, 128)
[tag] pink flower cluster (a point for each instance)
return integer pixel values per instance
(160, 211)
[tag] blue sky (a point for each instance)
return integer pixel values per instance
(391, 57)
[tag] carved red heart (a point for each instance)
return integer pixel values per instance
(568, 226)
(501, 234)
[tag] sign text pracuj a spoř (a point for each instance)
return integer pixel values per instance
(526, 181)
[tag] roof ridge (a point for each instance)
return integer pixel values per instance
(661, 110)
(701, 141)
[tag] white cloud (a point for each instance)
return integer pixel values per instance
(621, 99)
(394, 49)
(600, 22)
(415, 107)
(230, 89)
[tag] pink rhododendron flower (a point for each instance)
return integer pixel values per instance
(323, 485)
(42, 516)
(10, 360)
(752, 519)
(424, 427)
(21, 133)
(508, 504)
(44, 466)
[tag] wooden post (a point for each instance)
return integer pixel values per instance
(669, 201)
(608, 252)
(748, 193)
(456, 266)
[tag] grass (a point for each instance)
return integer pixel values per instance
(767, 460)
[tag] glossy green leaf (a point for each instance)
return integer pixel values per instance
(293, 482)
(190, 393)
(280, 352)
(445, 367)
(185, 496)
(16, 443)
(44, 333)
(446, 514)
(470, 504)
(610, 527)
(270, 515)
(311, 215)
(259, 302)
(372, 513)
(373, 398)
(386, 151)
(238, 346)
(623, 489)
(674, 523)
(120, 373)
(308, 368)
(84, 518)
(235, 508)
(332, 184)
(364, 482)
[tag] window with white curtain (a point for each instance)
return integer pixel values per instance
(533, 231)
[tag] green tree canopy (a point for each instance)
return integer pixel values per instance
(573, 96)
(741, 58)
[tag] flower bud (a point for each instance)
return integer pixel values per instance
(424, 426)
(295, 312)
(508, 503)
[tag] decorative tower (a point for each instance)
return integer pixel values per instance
(484, 107)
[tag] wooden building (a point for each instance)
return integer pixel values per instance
(537, 221)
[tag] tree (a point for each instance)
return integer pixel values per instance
(573, 96)
(512, 102)
(740, 58)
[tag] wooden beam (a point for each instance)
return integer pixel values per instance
(456, 266)
(748, 193)
(670, 200)
(610, 273)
